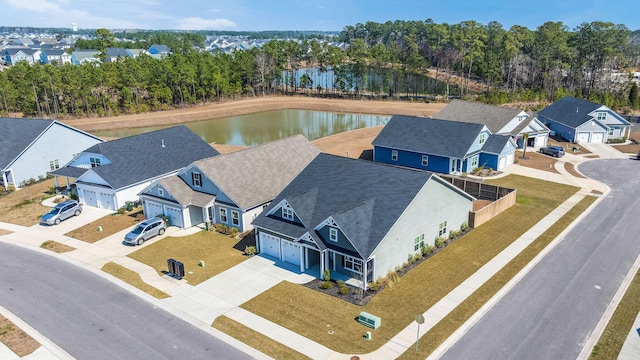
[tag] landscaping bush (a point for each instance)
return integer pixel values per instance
(344, 290)
(139, 216)
(326, 285)
(453, 234)
(250, 250)
(411, 259)
(233, 232)
(425, 250)
(374, 285)
(52, 190)
(326, 274)
(341, 283)
(58, 200)
(464, 226)
(439, 242)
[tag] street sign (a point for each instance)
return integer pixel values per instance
(419, 320)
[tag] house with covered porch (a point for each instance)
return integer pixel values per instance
(357, 218)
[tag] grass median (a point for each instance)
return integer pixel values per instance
(132, 278)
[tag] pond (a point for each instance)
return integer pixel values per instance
(258, 128)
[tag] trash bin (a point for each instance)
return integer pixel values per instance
(128, 205)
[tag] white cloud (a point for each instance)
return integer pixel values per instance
(196, 23)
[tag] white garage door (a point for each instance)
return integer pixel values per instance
(502, 163)
(106, 201)
(175, 216)
(597, 137)
(583, 137)
(270, 245)
(510, 158)
(152, 209)
(89, 197)
(291, 252)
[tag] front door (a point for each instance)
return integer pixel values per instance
(455, 166)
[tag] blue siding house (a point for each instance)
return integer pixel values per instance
(443, 146)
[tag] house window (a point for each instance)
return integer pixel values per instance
(418, 242)
(54, 165)
(352, 264)
(235, 218)
(610, 131)
(394, 155)
(287, 213)
(95, 162)
(602, 116)
(481, 139)
(223, 215)
(160, 192)
(196, 179)
(333, 234)
(442, 228)
(425, 160)
(474, 162)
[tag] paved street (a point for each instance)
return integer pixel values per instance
(552, 311)
(100, 319)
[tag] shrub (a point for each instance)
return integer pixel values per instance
(453, 234)
(326, 274)
(233, 232)
(411, 259)
(464, 226)
(326, 285)
(344, 290)
(58, 200)
(425, 250)
(341, 283)
(52, 190)
(73, 196)
(250, 250)
(439, 242)
(374, 285)
(11, 188)
(418, 256)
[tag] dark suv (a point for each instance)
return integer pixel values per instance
(555, 151)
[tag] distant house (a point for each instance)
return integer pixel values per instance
(213, 190)
(358, 219)
(584, 121)
(160, 50)
(57, 56)
(31, 148)
(113, 54)
(443, 146)
(111, 173)
(79, 57)
(498, 120)
(13, 56)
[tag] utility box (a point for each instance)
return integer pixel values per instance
(171, 264)
(368, 335)
(179, 267)
(369, 320)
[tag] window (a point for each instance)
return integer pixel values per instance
(223, 215)
(196, 179)
(602, 116)
(333, 234)
(352, 264)
(425, 160)
(610, 131)
(160, 192)
(287, 213)
(95, 162)
(418, 242)
(481, 139)
(474, 162)
(442, 229)
(235, 218)
(54, 165)
(394, 155)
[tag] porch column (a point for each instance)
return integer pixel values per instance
(321, 267)
(364, 276)
(55, 180)
(333, 257)
(302, 259)
(205, 214)
(306, 258)
(68, 186)
(4, 180)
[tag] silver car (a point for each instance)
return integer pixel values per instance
(145, 231)
(61, 212)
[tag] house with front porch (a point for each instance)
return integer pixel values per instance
(358, 218)
(230, 189)
(443, 146)
(583, 121)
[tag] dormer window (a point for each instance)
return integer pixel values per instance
(287, 213)
(394, 155)
(333, 234)
(602, 116)
(95, 162)
(481, 139)
(196, 179)
(160, 192)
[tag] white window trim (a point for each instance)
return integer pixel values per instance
(481, 139)
(333, 234)
(287, 213)
(442, 228)
(611, 131)
(160, 192)
(394, 155)
(350, 263)
(223, 215)
(196, 182)
(418, 242)
(235, 217)
(601, 114)
(94, 161)
(425, 160)
(474, 161)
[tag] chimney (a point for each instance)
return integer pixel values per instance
(162, 142)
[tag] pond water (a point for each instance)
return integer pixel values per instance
(258, 128)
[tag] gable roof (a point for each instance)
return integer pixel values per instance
(493, 117)
(17, 135)
(183, 194)
(495, 144)
(144, 156)
(116, 52)
(266, 169)
(428, 135)
(160, 48)
(363, 197)
(570, 111)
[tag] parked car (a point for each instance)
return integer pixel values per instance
(555, 151)
(145, 231)
(61, 212)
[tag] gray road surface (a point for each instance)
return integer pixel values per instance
(551, 312)
(91, 318)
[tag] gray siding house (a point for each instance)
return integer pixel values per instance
(30, 148)
(358, 218)
(230, 189)
(111, 173)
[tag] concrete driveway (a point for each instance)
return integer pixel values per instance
(605, 151)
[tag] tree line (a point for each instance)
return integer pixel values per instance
(497, 66)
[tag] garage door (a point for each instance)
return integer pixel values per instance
(583, 137)
(502, 163)
(175, 216)
(106, 201)
(89, 197)
(510, 158)
(597, 137)
(291, 252)
(152, 209)
(270, 245)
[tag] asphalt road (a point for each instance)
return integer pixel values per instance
(92, 318)
(550, 313)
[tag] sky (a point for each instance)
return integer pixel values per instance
(324, 15)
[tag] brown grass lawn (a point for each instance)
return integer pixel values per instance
(56, 246)
(536, 161)
(4, 232)
(312, 314)
(24, 207)
(571, 169)
(15, 339)
(132, 278)
(111, 224)
(215, 249)
(630, 148)
(568, 147)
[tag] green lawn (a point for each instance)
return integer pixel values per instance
(216, 250)
(312, 314)
(132, 278)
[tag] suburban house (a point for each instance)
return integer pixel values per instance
(113, 54)
(13, 56)
(443, 146)
(111, 173)
(583, 121)
(79, 57)
(229, 189)
(499, 120)
(58, 56)
(31, 148)
(157, 50)
(358, 218)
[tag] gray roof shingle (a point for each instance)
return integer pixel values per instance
(16, 135)
(428, 136)
(145, 156)
(363, 197)
(570, 111)
(493, 117)
(495, 144)
(183, 193)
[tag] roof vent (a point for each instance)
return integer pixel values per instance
(162, 142)
(577, 110)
